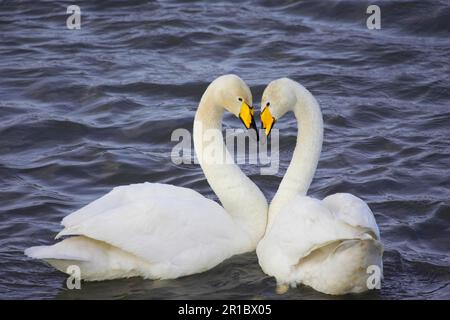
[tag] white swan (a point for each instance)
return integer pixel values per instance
(160, 231)
(329, 244)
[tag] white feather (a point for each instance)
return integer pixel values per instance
(310, 244)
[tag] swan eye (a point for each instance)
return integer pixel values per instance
(240, 99)
(268, 104)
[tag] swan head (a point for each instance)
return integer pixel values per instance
(277, 99)
(235, 96)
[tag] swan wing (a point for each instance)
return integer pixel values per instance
(308, 243)
(353, 211)
(161, 224)
(301, 227)
(121, 195)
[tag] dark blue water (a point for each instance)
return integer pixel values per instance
(82, 111)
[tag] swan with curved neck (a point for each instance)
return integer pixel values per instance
(233, 188)
(160, 231)
(329, 244)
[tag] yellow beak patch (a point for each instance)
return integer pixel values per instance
(267, 120)
(246, 115)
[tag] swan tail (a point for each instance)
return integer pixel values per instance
(364, 253)
(49, 252)
(62, 256)
(341, 267)
(94, 260)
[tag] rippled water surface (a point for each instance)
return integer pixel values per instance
(82, 111)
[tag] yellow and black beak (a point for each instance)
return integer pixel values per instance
(247, 117)
(267, 120)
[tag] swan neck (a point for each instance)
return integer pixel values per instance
(306, 154)
(239, 196)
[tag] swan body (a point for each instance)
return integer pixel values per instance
(328, 244)
(160, 231)
(147, 229)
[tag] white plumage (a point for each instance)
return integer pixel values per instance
(313, 243)
(329, 244)
(152, 230)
